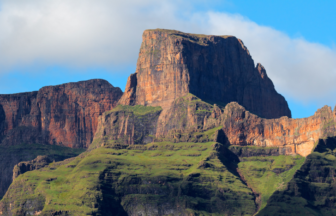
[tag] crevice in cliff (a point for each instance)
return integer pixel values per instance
(2, 122)
(110, 204)
(231, 160)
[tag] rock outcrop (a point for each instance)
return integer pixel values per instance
(37, 163)
(217, 69)
(60, 115)
(127, 125)
(188, 117)
(13, 155)
(293, 136)
(242, 128)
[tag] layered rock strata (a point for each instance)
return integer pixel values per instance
(63, 115)
(188, 117)
(127, 125)
(293, 136)
(217, 69)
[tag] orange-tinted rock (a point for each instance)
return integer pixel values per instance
(293, 136)
(241, 127)
(63, 115)
(125, 125)
(218, 69)
(188, 117)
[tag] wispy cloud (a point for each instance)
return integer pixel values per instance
(86, 33)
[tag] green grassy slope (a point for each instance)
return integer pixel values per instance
(312, 191)
(12, 155)
(269, 174)
(187, 172)
(174, 178)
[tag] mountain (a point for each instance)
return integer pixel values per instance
(57, 115)
(64, 115)
(199, 130)
(217, 69)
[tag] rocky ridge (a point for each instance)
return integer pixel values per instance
(60, 115)
(189, 116)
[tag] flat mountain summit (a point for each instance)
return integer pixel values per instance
(199, 130)
(217, 69)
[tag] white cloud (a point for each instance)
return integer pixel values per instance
(302, 70)
(103, 32)
(79, 32)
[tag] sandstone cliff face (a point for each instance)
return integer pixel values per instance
(63, 115)
(16, 109)
(127, 125)
(217, 69)
(242, 128)
(294, 136)
(188, 117)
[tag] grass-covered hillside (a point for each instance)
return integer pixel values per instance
(312, 191)
(187, 172)
(153, 179)
(12, 155)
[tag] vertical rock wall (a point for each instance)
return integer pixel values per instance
(63, 115)
(217, 69)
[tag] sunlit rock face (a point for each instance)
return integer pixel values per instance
(62, 115)
(175, 70)
(217, 69)
(243, 128)
(292, 136)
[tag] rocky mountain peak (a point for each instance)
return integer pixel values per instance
(217, 69)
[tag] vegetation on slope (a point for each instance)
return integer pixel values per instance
(265, 175)
(172, 178)
(189, 171)
(12, 155)
(127, 125)
(312, 191)
(265, 170)
(138, 110)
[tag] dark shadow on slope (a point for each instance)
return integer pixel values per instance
(226, 156)
(229, 159)
(325, 145)
(110, 204)
(2, 122)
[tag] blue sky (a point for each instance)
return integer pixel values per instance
(53, 42)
